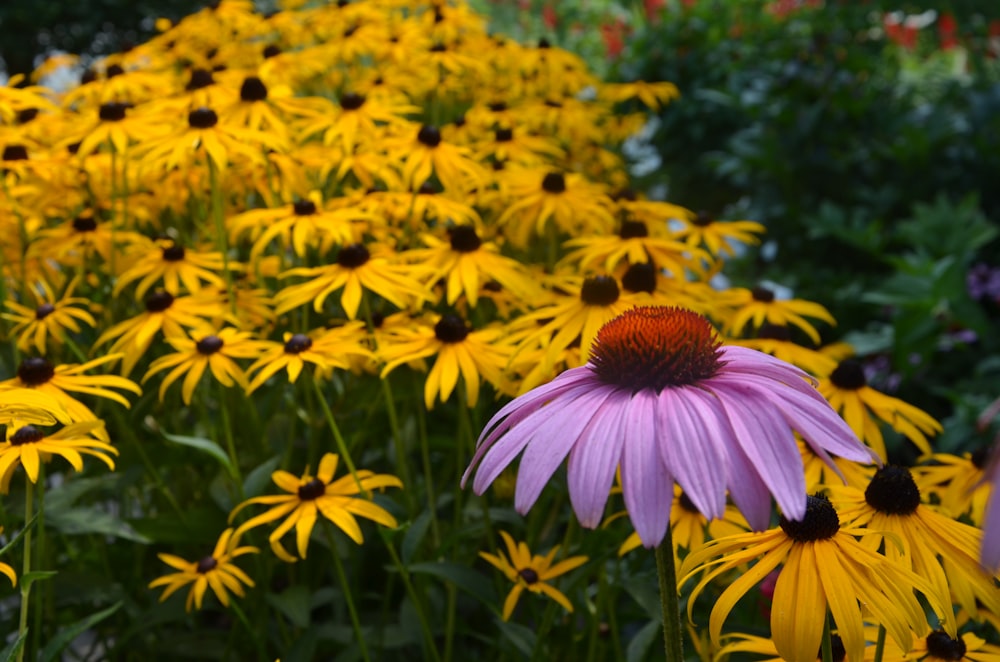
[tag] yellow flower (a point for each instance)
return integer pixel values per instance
(339, 501)
(28, 446)
(759, 305)
(216, 571)
(718, 236)
(531, 572)
(167, 261)
(51, 318)
(652, 95)
(324, 348)
(939, 646)
(959, 482)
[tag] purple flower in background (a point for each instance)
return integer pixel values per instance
(983, 282)
(989, 555)
(664, 400)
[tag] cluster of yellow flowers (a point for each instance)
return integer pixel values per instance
(354, 187)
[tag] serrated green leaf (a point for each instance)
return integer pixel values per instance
(294, 604)
(204, 445)
(65, 635)
(75, 521)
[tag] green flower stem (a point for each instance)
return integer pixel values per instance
(672, 632)
(161, 486)
(22, 622)
(880, 643)
(345, 587)
(220, 229)
(227, 432)
(826, 646)
(335, 429)
(257, 645)
(40, 553)
(418, 607)
(425, 458)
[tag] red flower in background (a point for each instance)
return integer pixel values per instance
(948, 31)
(549, 16)
(614, 37)
(653, 8)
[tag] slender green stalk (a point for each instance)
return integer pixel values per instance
(43, 595)
(258, 646)
(222, 241)
(22, 622)
(826, 646)
(227, 432)
(880, 643)
(335, 429)
(161, 486)
(672, 632)
(425, 458)
(345, 587)
(418, 606)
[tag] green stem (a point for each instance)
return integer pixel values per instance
(220, 230)
(257, 645)
(335, 429)
(342, 578)
(414, 598)
(41, 597)
(150, 467)
(227, 432)
(826, 646)
(672, 632)
(22, 622)
(880, 644)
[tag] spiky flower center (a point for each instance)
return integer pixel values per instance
(44, 311)
(173, 253)
(207, 564)
(849, 375)
(633, 230)
(819, 523)
(640, 277)
(84, 224)
(429, 135)
(314, 489)
(28, 434)
(893, 491)
(528, 575)
(599, 291)
(353, 256)
(464, 239)
(113, 111)
(943, 647)
(762, 294)
(159, 301)
(202, 118)
(35, 371)
(451, 329)
(653, 347)
(554, 182)
(253, 89)
(298, 344)
(304, 207)
(209, 345)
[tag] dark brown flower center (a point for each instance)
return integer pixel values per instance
(25, 115)
(352, 101)
(298, 344)
(15, 153)
(464, 239)
(173, 253)
(762, 294)
(28, 434)
(451, 329)
(44, 311)
(35, 371)
(849, 375)
(84, 224)
(304, 207)
(353, 256)
(314, 489)
(209, 345)
(980, 456)
(271, 50)
(687, 504)
(504, 135)
(528, 575)
(599, 291)
(554, 182)
(943, 647)
(113, 70)
(429, 135)
(703, 219)
(640, 277)
(655, 347)
(112, 111)
(159, 301)
(774, 332)
(633, 230)
(200, 78)
(207, 564)
(893, 491)
(819, 523)
(253, 89)
(202, 118)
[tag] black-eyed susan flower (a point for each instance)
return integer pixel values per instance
(916, 537)
(50, 319)
(531, 572)
(823, 568)
(216, 571)
(57, 381)
(459, 350)
(358, 120)
(114, 125)
(958, 482)
(650, 94)
(718, 237)
(167, 263)
(28, 446)
(340, 501)
(776, 340)
(206, 350)
(847, 390)
(755, 307)
(422, 152)
(664, 400)
(326, 349)
(939, 646)
(355, 270)
(820, 474)
(738, 642)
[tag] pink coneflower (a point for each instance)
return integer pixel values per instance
(989, 556)
(662, 398)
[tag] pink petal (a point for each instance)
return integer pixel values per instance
(646, 482)
(750, 361)
(748, 491)
(594, 459)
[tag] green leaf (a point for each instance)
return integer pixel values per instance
(465, 578)
(645, 590)
(206, 446)
(294, 604)
(200, 525)
(259, 478)
(521, 636)
(10, 652)
(20, 534)
(75, 521)
(66, 635)
(35, 576)
(414, 536)
(643, 639)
